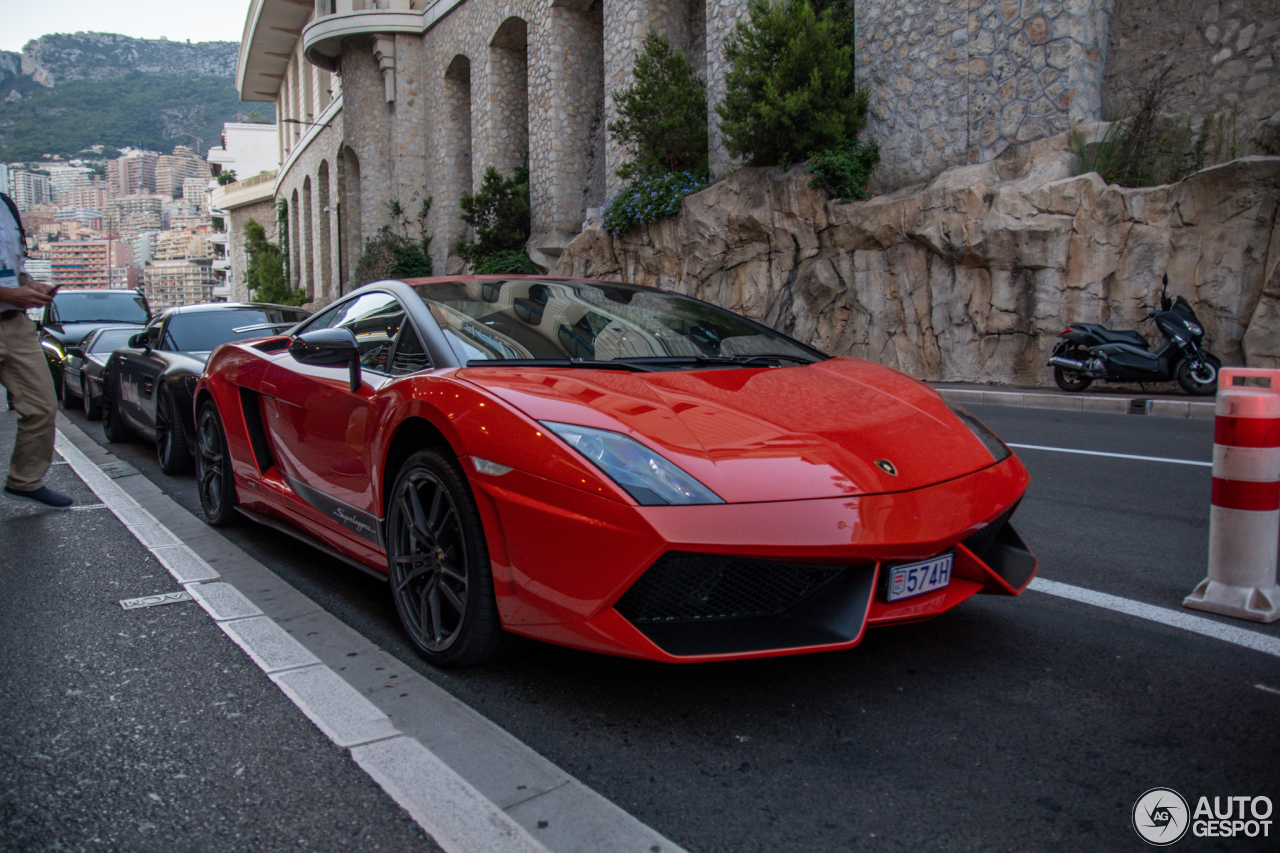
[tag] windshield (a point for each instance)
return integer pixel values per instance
(120, 306)
(110, 340)
(596, 321)
(207, 330)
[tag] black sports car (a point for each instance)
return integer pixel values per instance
(73, 314)
(83, 364)
(147, 385)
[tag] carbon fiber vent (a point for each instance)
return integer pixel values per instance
(980, 542)
(682, 587)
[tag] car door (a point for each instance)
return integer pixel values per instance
(137, 371)
(323, 432)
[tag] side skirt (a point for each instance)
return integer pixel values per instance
(307, 539)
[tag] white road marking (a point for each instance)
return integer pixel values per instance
(1196, 624)
(1264, 688)
(1112, 455)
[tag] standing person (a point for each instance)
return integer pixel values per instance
(23, 370)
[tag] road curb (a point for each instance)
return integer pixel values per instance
(1093, 403)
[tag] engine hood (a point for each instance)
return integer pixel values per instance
(763, 434)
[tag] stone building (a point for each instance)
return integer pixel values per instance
(397, 101)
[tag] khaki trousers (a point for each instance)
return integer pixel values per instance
(25, 373)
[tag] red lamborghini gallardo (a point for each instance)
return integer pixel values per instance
(609, 467)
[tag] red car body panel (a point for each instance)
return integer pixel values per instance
(792, 451)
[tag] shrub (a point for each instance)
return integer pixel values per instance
(663, 115)
(844, 170)
(391, 254)
(265, 274)
(505, 261)
(790, 85)
(650, 198)
(499, 213)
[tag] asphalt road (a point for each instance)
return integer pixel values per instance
(1009, 724)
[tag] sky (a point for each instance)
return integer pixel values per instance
(177, 20)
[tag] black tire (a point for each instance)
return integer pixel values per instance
(438, 565)
(69, 399)
(92, 408)
(113, 425)
(1198, 377)
(171, 438)
(214, 481)
(1071, 380)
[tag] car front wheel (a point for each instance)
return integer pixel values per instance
(438, 564)
(113, 426)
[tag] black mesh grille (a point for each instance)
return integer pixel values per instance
(979, 542)
(274, 345)
(683, 587)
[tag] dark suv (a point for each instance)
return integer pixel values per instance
(75, 313)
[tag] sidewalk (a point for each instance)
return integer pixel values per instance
(1099, 399)
(215, 719)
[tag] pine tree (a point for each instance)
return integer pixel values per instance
(791, 88)
(663, 114)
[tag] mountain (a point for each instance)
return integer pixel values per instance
(66, 92)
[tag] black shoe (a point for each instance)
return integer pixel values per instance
(43, 495)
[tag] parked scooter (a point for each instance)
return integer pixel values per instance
(1088, 351)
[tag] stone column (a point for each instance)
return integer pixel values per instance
(566, 145)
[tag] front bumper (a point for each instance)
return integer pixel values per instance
(740, 580)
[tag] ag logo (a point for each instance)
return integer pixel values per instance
(1160, 816)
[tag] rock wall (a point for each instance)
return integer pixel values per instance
(58, 58)
(971, 277)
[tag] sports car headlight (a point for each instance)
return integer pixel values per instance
(999, 451)
(645, 475)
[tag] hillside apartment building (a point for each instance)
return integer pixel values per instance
(383, 101)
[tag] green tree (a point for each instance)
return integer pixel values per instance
(392, 253)
(499, 213)
(265, 275)
(663, 114)
(790, 85)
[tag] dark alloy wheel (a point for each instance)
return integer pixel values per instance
(1198, 376)
(439, 565)
(92, 408)
(69, 399)
(113, 426)
(1072, 380)
(214, 480)
(171, 440)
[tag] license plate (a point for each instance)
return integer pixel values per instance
(918, 578)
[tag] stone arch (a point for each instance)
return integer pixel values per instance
(508, 84)
(307, 214)
(324, 250)
(455, 161)
(350, 240)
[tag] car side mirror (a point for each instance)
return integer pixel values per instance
(76, 351)
(139, 341)
(329, 347)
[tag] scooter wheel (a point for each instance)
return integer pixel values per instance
(1071, 380)
(1198, 377)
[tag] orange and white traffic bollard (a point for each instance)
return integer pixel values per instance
(1244, 519)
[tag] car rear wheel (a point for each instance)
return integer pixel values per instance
(92, 408)
(113, 426)
(171, 439)
(214, 480)
(438, 564)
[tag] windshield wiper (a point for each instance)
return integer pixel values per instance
(758, 359)
(583, 363)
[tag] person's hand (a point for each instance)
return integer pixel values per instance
(26, 280)
(26, 295)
